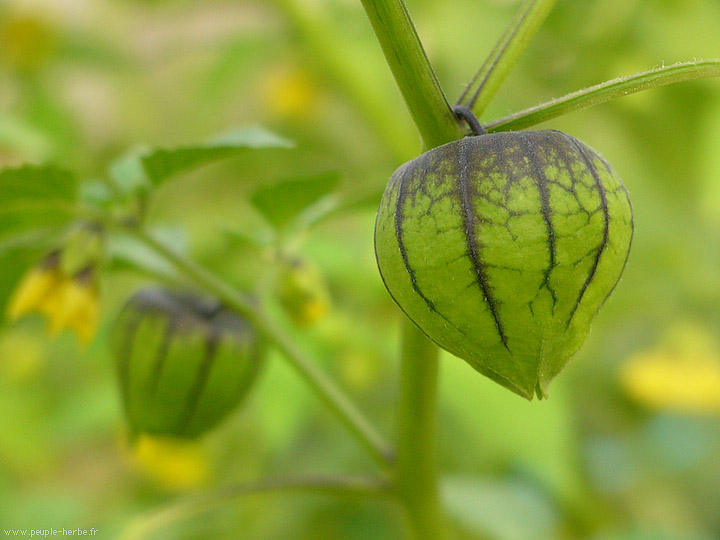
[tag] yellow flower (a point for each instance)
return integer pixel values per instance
(67, 301)
(173, 463)
(683, 376)
(32, 290)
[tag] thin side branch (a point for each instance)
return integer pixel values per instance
(505, 54)
(190, 506)
(600, 93)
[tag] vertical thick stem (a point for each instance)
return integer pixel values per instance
(416, 472)
(412, 71)
(417, 468)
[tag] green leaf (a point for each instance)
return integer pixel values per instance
(35, 196)
(600, 93)
(127, 172)
(32, 239)
(95, 193)
(291, 200)
(503, 510)
(161, 164)
(367, 202)
(19, 135)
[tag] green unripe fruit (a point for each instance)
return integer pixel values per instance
(184, 363)
(503, 247)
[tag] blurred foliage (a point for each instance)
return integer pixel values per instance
(625, 448)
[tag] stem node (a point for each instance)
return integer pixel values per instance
(464, 113)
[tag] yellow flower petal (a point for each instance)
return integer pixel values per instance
(85, 325)
(53, 306)
(173, 463)
(72, 305)
(31, 291)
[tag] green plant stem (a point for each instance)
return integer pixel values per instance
(191, 506)
(318, 381)
(505, 54)
(416, 471)
(600, 93)
(412, 71)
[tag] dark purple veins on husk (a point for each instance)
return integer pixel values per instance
(202, 376)
(407, 174)
(606, 227)
(469, 219)
(538, 173)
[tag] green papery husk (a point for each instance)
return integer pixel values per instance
(184, 363)
(501, 248)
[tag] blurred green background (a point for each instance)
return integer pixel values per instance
(627, 446)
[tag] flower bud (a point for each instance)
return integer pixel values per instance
(302, 292)
(184, 362)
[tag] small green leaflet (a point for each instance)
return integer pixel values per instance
(95, 194)
(127, 172)
(161, 164)
(285, 202)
